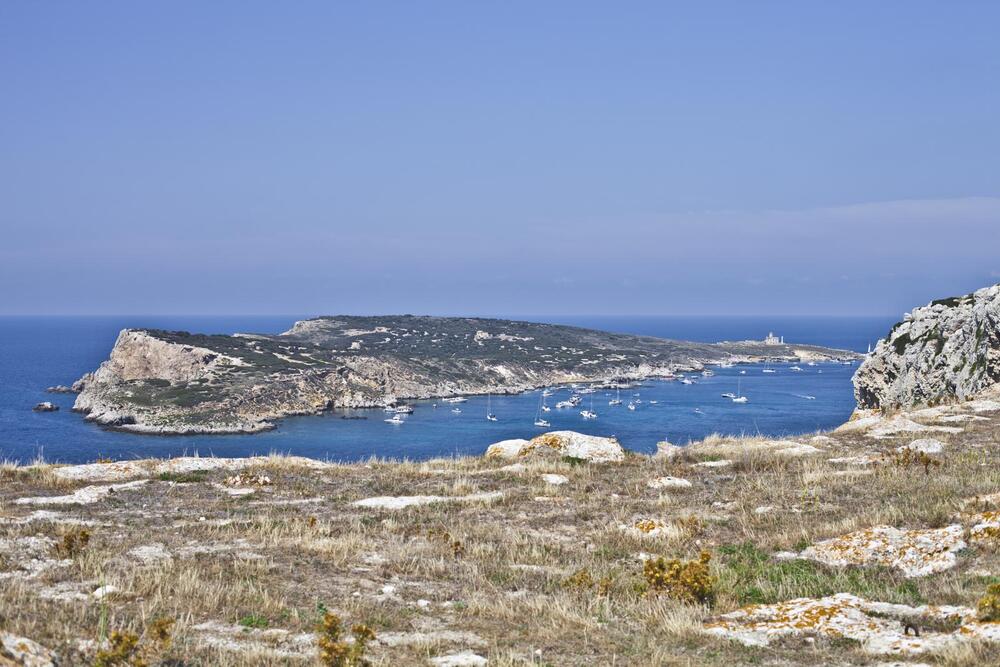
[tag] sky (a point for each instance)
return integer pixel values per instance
(483, 158)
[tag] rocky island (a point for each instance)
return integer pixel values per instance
(177, 382)
(877, 543)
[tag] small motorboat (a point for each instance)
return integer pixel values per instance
(395, 419)
(796, 369)
(541, 423)
(741, 399)
(588, 414)
(687, 381)
(631, 406)
(546, 408)
(653, 402)
(729, 394)
(404, 410)
(457, 411)
(454, 399)
(491, 417)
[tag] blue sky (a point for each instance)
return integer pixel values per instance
(484, 158)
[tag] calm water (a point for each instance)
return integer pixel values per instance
(39, 352)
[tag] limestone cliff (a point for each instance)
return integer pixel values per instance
(946, 350)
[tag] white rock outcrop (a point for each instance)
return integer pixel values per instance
(669, 483)
(916, 553)
(591, 448)
(946, 350)
(878, 626)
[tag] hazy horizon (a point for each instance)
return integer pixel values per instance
(551, 159)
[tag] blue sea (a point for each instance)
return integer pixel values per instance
(38, 352)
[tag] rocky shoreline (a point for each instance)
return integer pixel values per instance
(168, 383)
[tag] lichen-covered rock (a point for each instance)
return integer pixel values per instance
(592, 448)
(915, 553)
(16, 650)
(948, 349)
(881, 628)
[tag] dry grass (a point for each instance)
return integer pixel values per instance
(270, 564)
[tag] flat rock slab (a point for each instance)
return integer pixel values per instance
(669, 483)
(916, 553)
(113, 472)
(461, 659)
(402, 502)
(16, 650)
(900, 425)
(923, 446)
(85, 496)
(555, 480)
(877, 626)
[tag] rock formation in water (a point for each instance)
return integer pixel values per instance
(947, 350)
(177, 382)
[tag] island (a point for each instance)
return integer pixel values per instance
(175, 382)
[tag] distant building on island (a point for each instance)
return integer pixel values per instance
(774, 340)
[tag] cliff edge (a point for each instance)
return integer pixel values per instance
(948, 350)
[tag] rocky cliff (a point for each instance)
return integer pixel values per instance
(947, 350)
(178, 382)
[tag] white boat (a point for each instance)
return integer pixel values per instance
(739, 397)
(811, 363)
(806, 397)
(546, 392)
(403, 410)
(743, 372)
(395, 419)
(490, 417)
(617, 400)
(796, 369)
(653, 402)
(541, 423)
(389, 408)
(454, 399)
(729, 394)
(769, 370)
(457, 411)
(546, 408)
(588, 414)
(707, 373)
(565, 404)
(631, 406)
(687, 381)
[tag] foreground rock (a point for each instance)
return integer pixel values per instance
(591, 448)
(916, 553)
(946, 350)
(16, 650)
(146, 468)
(879, 627)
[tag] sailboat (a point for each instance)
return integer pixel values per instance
(767, 368)
(490, 417)
(539, 422)
(739, 398)
(589, 414)
(617, 400)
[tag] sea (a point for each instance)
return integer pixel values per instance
(38, 352)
